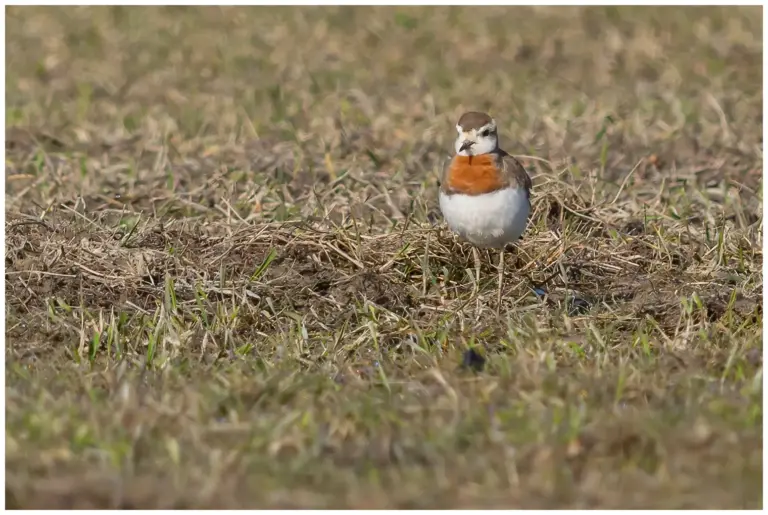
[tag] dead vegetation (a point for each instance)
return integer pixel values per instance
(225, 266)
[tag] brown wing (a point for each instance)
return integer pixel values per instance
(514, 172)
(443, 181)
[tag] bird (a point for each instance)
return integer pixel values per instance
(484, 193)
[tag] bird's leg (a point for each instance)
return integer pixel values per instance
(501, 279)
(476, 255)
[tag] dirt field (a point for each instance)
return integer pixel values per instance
(228, 283)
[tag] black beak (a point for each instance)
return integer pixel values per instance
(464, 146)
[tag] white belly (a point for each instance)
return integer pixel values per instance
(488, 220)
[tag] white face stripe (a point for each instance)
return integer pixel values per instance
(490, 126)
(483, 144)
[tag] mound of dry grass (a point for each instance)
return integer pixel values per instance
(225, 266)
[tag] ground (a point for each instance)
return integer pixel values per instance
(228, 284)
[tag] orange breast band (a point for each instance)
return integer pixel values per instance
(474, 175)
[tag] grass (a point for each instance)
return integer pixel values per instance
(228, 284)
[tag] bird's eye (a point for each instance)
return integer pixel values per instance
(486, 133)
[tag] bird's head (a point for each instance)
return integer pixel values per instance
(477, 134)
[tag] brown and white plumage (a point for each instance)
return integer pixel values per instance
(485, 193)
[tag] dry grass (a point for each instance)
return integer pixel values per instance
(224, 286)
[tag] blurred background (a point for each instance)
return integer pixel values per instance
(310, 93)
(167, 345)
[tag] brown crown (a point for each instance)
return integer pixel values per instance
(474, 120)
